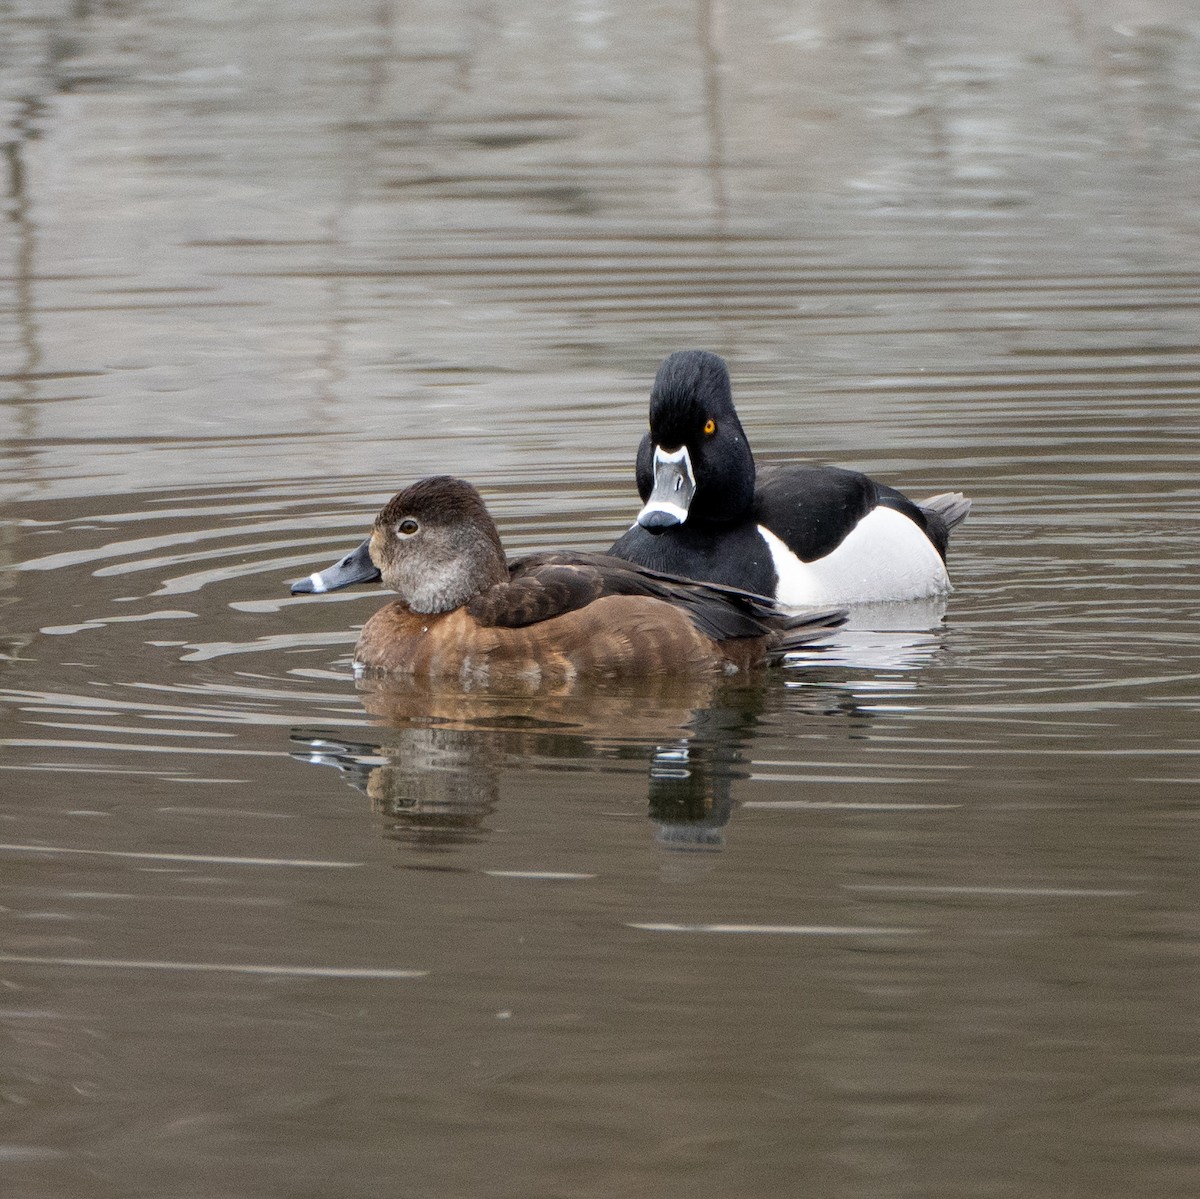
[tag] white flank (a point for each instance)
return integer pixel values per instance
(885, 557)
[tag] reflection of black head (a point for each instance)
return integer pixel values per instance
(691, 405)
(690, 793)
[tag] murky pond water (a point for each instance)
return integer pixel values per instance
(913, 916)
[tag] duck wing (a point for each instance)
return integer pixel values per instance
(547, 585)
(537, 589)
(812, 509)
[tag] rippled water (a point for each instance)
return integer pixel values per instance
(913, 916)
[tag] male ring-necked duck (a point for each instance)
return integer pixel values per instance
(463, 612)
(804, 534)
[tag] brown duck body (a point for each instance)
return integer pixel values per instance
(463, 613)
(615, 636)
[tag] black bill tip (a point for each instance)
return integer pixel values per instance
(355, 567)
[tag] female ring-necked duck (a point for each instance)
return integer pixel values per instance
(464, 612)
(804, 534)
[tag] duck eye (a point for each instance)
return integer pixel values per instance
(407, 527)
(710, 427)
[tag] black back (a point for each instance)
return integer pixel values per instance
(813, 508)
(728, 553)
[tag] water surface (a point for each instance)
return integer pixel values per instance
(913, 916)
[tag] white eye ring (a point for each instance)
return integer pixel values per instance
(407, 527)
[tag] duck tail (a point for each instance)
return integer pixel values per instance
(802, 630)
(951, 507)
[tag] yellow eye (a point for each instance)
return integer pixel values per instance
(710, 426)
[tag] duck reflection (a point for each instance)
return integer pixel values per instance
(433, 770)
(433, 775)
(690, 785)
(433, 787)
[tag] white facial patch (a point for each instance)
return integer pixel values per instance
(672, 475)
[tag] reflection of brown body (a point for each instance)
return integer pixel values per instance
(434, 776)
(662, 708)
(615, 635)
(448, 748)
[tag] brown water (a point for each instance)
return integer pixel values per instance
(916, 916)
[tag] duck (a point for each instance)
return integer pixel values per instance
(802, 535)
(463, 612)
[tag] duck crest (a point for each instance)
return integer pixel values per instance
(689, 386)
(691, 407)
